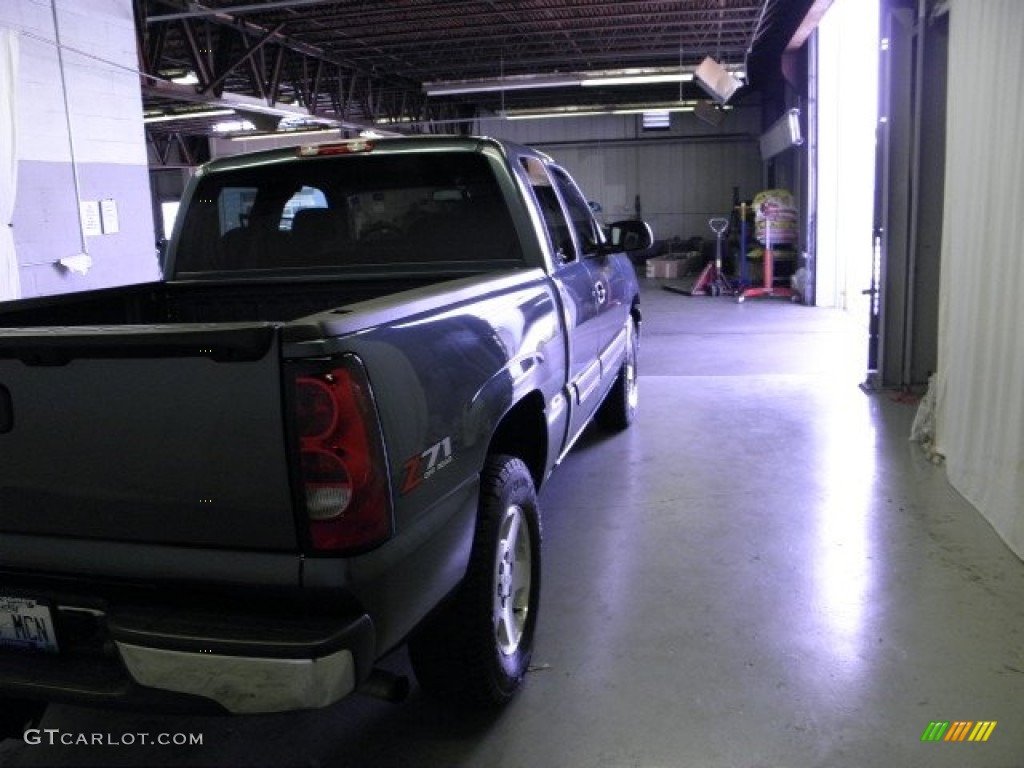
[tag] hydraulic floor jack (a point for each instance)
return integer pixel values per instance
(712, 280)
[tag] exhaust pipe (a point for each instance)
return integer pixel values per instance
(385, 685)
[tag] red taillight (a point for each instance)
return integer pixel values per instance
(316, 412)
(328, 484)
(343, 470)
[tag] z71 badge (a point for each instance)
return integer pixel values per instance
(422, 467)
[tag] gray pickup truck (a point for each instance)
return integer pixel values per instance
(318, 438)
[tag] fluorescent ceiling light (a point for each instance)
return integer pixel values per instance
(639, 79)
(628, 109)
(189, 78)
(233, 125)
(541, 115)
(328, 132)
(511, 83)
(197, 115)
(608, 77)
(683, 106)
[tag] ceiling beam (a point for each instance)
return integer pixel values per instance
(218, 81)
(224, 16)
(383, 18)
(200, 11)
(230, 100)
(810, 22)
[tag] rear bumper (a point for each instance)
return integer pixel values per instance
(246, 663)
(168, 658)
(244, 685)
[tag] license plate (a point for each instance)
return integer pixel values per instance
(26, 624)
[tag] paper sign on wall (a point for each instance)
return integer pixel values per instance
(89, 211)
(108, 216)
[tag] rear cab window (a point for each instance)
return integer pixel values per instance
(353, 212)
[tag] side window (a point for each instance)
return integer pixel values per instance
(555, 221)
(234, 206)
(307, 197)
(588, 235)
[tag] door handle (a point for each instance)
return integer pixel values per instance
(600, 292)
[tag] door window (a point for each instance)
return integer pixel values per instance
(555, 220)
(588, 234)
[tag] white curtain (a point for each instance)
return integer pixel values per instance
(10, 285)
(980, 387)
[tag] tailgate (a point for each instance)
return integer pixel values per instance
(164, 434)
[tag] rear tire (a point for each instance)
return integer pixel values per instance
(476, 648)
(618, 410)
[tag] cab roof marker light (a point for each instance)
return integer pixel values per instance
(353, 147)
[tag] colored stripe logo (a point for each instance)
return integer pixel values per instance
(958, 730)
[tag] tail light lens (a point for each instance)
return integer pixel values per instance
(342, 464)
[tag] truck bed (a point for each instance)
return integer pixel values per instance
(129, 392)
(272, 299)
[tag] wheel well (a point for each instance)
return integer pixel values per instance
(523, 433)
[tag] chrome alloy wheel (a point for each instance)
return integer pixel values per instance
(513, 565)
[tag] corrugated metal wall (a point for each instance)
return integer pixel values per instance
(679, 178)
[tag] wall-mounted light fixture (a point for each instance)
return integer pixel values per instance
(784, 133)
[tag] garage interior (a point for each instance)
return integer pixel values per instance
(766, 570)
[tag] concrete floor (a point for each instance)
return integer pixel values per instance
(762, 573)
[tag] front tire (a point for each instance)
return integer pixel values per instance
(618, 410)
(476, 649)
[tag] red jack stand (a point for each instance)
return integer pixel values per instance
(769, 288)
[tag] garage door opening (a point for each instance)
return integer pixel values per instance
(847, 108)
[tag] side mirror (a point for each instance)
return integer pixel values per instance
(630, 235)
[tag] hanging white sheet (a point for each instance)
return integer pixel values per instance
(10, 285)
(980, 398)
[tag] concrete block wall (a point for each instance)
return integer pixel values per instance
(79, 115)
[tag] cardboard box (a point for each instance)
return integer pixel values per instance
(671, 266)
